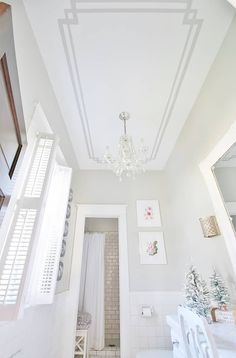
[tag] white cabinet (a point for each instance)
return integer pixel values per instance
(224, 335)
(173, 323)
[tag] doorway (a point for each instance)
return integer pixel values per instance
(99, 288)
(117, 212)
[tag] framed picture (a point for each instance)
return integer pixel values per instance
(13, 139)
(2, 197)
(148, 213)
(152, 248)
(10, 135)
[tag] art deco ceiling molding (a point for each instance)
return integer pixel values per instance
(147, 57)
(190, 20)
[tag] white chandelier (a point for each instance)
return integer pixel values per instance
(130, 161)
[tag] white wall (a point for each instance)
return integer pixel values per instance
(33, 335)
(34, 81)
(102, 187)
(211, 116)
(183, 198)
(180, 189)
(39, 332)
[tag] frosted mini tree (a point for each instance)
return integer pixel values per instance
(219, 291)
(197, 296)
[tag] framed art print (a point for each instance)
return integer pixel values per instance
(10, 134)
(152, 248)
(148, 213)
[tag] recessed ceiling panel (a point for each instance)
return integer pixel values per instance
(149, 58)
(123, 65)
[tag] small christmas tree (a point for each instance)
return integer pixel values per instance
(197, 296)
(219, 291)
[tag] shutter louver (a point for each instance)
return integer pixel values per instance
(24, 227)
(38, 170)
(44, 277)
(16, 256)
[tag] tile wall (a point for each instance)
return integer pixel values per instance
(112, 311)
(151, 333)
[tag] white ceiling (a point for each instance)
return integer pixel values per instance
(149, 58)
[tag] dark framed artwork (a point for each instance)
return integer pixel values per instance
(10, 136)
(12, 125)
(2, 198)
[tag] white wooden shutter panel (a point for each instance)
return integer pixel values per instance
(44, 277)
(24, 227)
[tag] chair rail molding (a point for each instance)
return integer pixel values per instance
(221, 212)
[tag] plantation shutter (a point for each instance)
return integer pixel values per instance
(44, 276)
(24, 228)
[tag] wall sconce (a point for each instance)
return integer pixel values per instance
(209, 226)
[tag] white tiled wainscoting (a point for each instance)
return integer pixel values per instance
(108, 352)
(153, 332)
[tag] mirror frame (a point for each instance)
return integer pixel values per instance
(223, 218)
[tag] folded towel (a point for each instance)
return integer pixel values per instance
(84, 320)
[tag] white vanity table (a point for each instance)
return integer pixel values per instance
(224, 335)
(173, 323)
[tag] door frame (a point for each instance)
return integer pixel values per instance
(104, 211)
(206, 167)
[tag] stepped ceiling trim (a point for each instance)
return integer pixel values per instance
(190, 19)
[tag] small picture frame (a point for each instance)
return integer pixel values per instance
(10, 130)
(152, 248)
(148, 213)
(2, 198)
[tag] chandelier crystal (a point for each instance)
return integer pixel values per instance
(130, 160)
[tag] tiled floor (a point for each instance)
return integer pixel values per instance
(109, 352)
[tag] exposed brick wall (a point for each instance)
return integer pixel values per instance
(112, 311)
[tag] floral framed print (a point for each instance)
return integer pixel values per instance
(152, 248)
(148, 213)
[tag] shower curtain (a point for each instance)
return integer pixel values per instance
(92, 287)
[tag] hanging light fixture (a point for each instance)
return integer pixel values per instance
(130, 161)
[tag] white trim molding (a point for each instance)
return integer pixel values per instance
(220, 209)
(191, 21)
(104, 211)
(232, 2)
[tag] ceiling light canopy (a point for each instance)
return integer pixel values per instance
(130, 161)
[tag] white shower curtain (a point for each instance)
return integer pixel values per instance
(92, 287)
